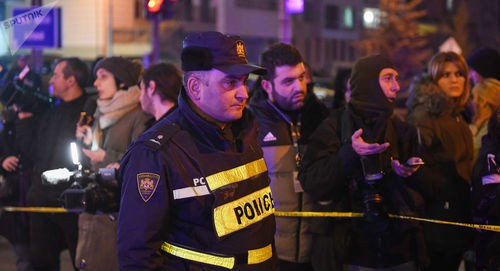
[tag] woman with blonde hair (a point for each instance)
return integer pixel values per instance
(485, 98)
(435, 104)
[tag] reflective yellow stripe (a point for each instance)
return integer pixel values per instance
(255, 256)
(243, 212)
(35, 209)
(236, 174)
(226, 262)
(260, 255)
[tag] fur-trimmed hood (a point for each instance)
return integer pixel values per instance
(427, 96)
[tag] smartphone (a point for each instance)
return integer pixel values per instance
(414, 163)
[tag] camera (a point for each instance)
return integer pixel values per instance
(373, 202)
(88, 191)
(26, 99)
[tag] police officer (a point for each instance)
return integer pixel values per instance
(195, 189)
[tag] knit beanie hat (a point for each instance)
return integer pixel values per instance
(126, 71)
(365, 87)
(486, 62)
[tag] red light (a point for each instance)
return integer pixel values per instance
(154, 5)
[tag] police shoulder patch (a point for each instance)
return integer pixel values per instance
(146, 184)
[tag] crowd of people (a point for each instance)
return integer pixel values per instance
(209, 175)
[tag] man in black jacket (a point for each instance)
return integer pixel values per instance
(50, 232)
(353, 159)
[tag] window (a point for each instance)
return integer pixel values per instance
(309, 14)
(258, 4)
(207, 12)
(371, 17)
(187, 10)
(332, 17)
(348, 22)
(449, 5)
(333, 48)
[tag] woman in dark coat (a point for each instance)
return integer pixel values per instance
(435, 103)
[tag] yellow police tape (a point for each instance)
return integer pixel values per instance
(285, 214)
(35, 209)
(349, 214)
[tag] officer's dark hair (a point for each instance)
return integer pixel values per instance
(168, 80)
(77, 68)
(279, 54)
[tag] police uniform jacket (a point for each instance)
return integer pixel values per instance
(293, 235)
(187, 182)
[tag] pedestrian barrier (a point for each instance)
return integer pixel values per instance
(285, 214)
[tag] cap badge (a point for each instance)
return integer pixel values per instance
(240, 49)
(147, 183)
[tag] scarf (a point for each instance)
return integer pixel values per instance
(110, 111)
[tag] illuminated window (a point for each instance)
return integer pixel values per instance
(371, 17)
(348, 18)
(449, 5)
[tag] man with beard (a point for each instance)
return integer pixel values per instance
(287, 114)
(353, 160)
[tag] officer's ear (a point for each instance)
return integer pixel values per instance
(268, 87)
(194, 87)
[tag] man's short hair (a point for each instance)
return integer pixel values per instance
(168, 80)
(77, 68)
(279, 54)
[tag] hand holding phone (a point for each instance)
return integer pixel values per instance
(414, 162)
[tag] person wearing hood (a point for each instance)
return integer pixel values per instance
(434, 106)
(287, 114)
(119, 120)
(362, 158)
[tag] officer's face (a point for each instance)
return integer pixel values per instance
(288, 89)
(105, 84)
(222, 96)
(60, 85)
(388, 81)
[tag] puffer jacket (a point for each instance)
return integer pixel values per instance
(447, 141)
(293, 235)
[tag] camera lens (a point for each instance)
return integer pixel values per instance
(373, 202)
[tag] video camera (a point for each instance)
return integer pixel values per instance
(88, 191)
(27, 97)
